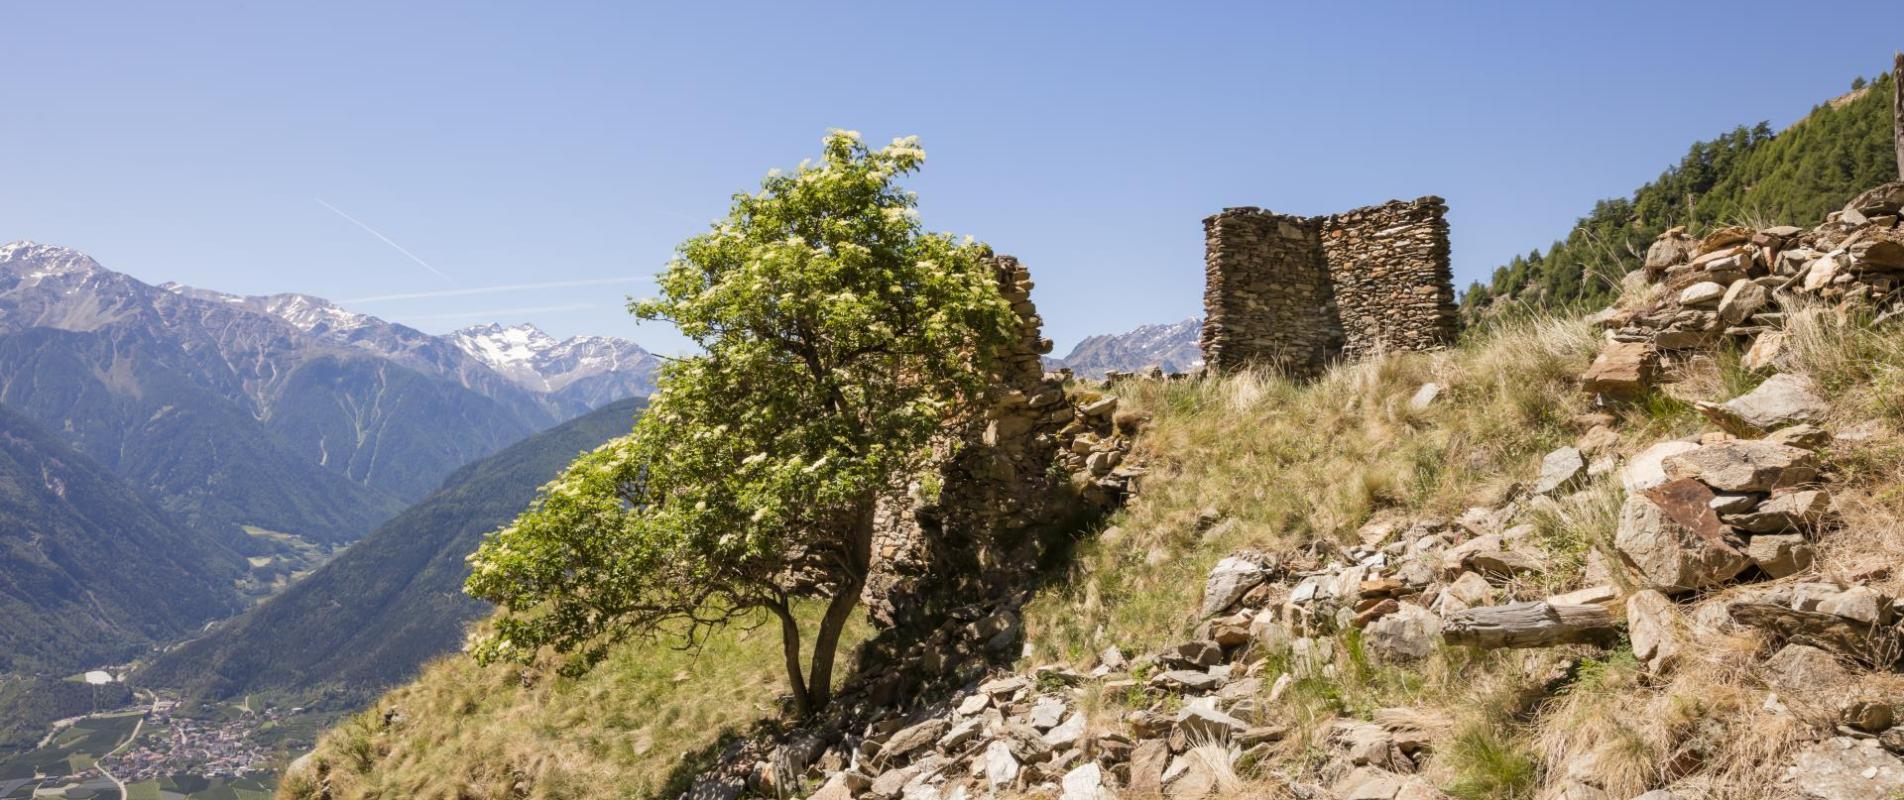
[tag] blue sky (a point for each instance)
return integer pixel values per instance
(254, 147)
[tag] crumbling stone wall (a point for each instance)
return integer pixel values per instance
(998, 480)
(1295, 293)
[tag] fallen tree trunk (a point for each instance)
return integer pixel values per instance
(1872, 645)
(1532, 624)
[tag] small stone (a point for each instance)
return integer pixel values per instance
(1803, 436)
(1779, 555)
(1001, 767)
(1702, 294)
(1784, 512)
(1622, 370)
(1208, 724)
(1561, 469)
(1085, 782)
(1229, 580)
(1186, 680)
(1805, 668)
(1783, 399)
(1407, 634)
(1425, 396)
(1646, 470)
(1768, 352)
(1650, 624)
(1742, 299)
(1744, 466)
(1842, 768)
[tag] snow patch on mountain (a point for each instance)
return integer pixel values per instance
(525, 354)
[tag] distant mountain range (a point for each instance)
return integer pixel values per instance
(1172, 347)
(374, 615)
(284, 412)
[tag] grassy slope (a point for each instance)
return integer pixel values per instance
(638, 725)
(1297, 466)
(1306, 466)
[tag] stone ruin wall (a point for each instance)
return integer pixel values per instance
(996, 480)
(1296, 293)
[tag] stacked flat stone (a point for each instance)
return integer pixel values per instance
(1388, 266)
(1296, 293)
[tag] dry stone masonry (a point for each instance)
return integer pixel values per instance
(1296, 293)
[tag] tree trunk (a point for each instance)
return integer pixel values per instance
(859, 557)
(790, 645)
(1897, 110)
(1535, 624)
(826, 641)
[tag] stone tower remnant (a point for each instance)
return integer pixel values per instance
(1296, 293)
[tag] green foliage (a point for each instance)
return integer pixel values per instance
(1490, 764)
(838, 337)
(1749, 175)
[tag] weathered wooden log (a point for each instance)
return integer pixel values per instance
(1873, 645)
(1531, 624)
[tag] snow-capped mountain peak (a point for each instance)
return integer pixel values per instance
(525, 354)
(35, 260)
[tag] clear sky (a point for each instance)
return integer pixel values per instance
(253, 147)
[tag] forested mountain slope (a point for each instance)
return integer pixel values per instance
(391, 602)
(1749, 175)
(90, 573)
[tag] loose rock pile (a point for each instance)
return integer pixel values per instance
(1736, 283)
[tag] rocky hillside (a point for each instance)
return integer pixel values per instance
(1752, 176)
(1650, 553)
(374, 615)
(1172, 348)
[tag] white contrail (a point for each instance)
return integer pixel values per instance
(493, 289)
(386, 239)
(502, 312)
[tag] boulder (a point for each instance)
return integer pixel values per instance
(1622, 370)
(1406, 634)
(1559, 470)
(1229, 580)
(1647, 469)
(1670, 556)
(1783, 399)
(1744, 466)
(1843, 768)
